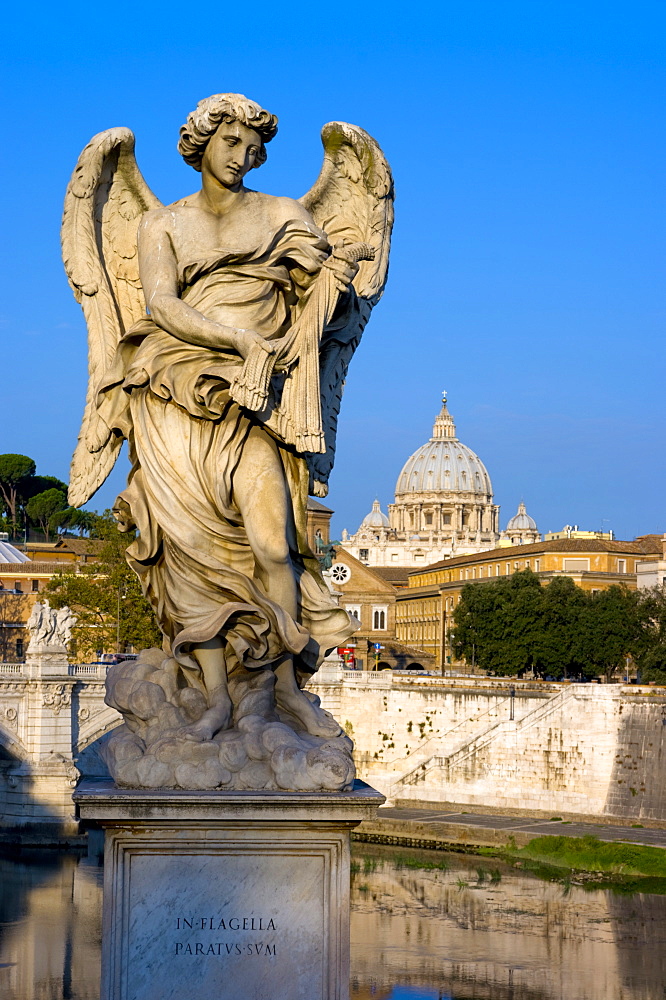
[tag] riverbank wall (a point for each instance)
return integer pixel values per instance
(577, 749)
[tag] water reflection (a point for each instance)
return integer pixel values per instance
(417, 934)
(50, 927)
(460, 934)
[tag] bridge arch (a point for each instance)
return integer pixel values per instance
(12, 745)
(101, 722)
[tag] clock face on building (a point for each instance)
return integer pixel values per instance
(340, 573)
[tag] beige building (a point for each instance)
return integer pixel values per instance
(443, 507)
(652, 572)
(24, 574)
(424, 609)
(369, 594)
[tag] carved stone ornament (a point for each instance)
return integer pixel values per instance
(220, 332)
(11, 717)
(56, 697)
(49, 627)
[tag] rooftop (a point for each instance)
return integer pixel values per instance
(645, 545)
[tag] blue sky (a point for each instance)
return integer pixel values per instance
(528, 149)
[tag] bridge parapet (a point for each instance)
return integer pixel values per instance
(49, 711)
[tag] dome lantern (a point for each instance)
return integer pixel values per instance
(444, 426)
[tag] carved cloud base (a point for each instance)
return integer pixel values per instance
(236, 896)
(264, 749)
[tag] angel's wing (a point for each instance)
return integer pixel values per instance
(105, 200)
(352, 201)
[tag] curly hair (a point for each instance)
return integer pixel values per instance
(203, 122)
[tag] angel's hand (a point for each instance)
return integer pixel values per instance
(344, 271)
(245, 340)
(320, 489)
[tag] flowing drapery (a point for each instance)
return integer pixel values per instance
(186, 438)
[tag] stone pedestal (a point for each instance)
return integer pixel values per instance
(231, 895)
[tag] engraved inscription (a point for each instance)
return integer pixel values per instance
(225, 948)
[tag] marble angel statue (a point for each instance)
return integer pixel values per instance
(220, 331)
(50, 627)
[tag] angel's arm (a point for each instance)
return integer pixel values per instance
(159, 278)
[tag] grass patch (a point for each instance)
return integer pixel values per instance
(589, 854)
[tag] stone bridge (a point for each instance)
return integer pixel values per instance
(577, 749)
(50, 713)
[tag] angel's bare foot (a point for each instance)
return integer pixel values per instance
(217, 717)
(315, 720)
(292, 701)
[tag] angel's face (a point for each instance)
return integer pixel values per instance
(231, 152)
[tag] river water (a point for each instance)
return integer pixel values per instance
(474, 930)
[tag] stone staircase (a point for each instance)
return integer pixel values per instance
(474, 741)
(439, 746)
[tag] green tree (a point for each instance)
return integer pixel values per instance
(44, 508)
(610, 630)
(106, 597)
(40, 484)
(498, 623)
(15, 474)
(559, 630)
(557, 650)
(651, 653)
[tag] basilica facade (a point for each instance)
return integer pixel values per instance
(443, 507)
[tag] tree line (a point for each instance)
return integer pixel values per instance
(513, 626)
(28, 500)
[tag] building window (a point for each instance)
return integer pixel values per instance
(537, 565)
(622, 565)
(419, 556)
(428, 519)
(446, 519)
(497, 569)
(508, 568)
(35, 586)
(17, 586)
(19, 648)
(465, 520)
(363, 554)
(379, 619)
(354, 609)
(394, 557)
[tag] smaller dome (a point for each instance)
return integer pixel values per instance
(522, 520)
(10, 554)
(376, 518)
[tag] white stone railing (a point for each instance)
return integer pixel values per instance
(382, 679)
(97, 670)
(12, 669)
